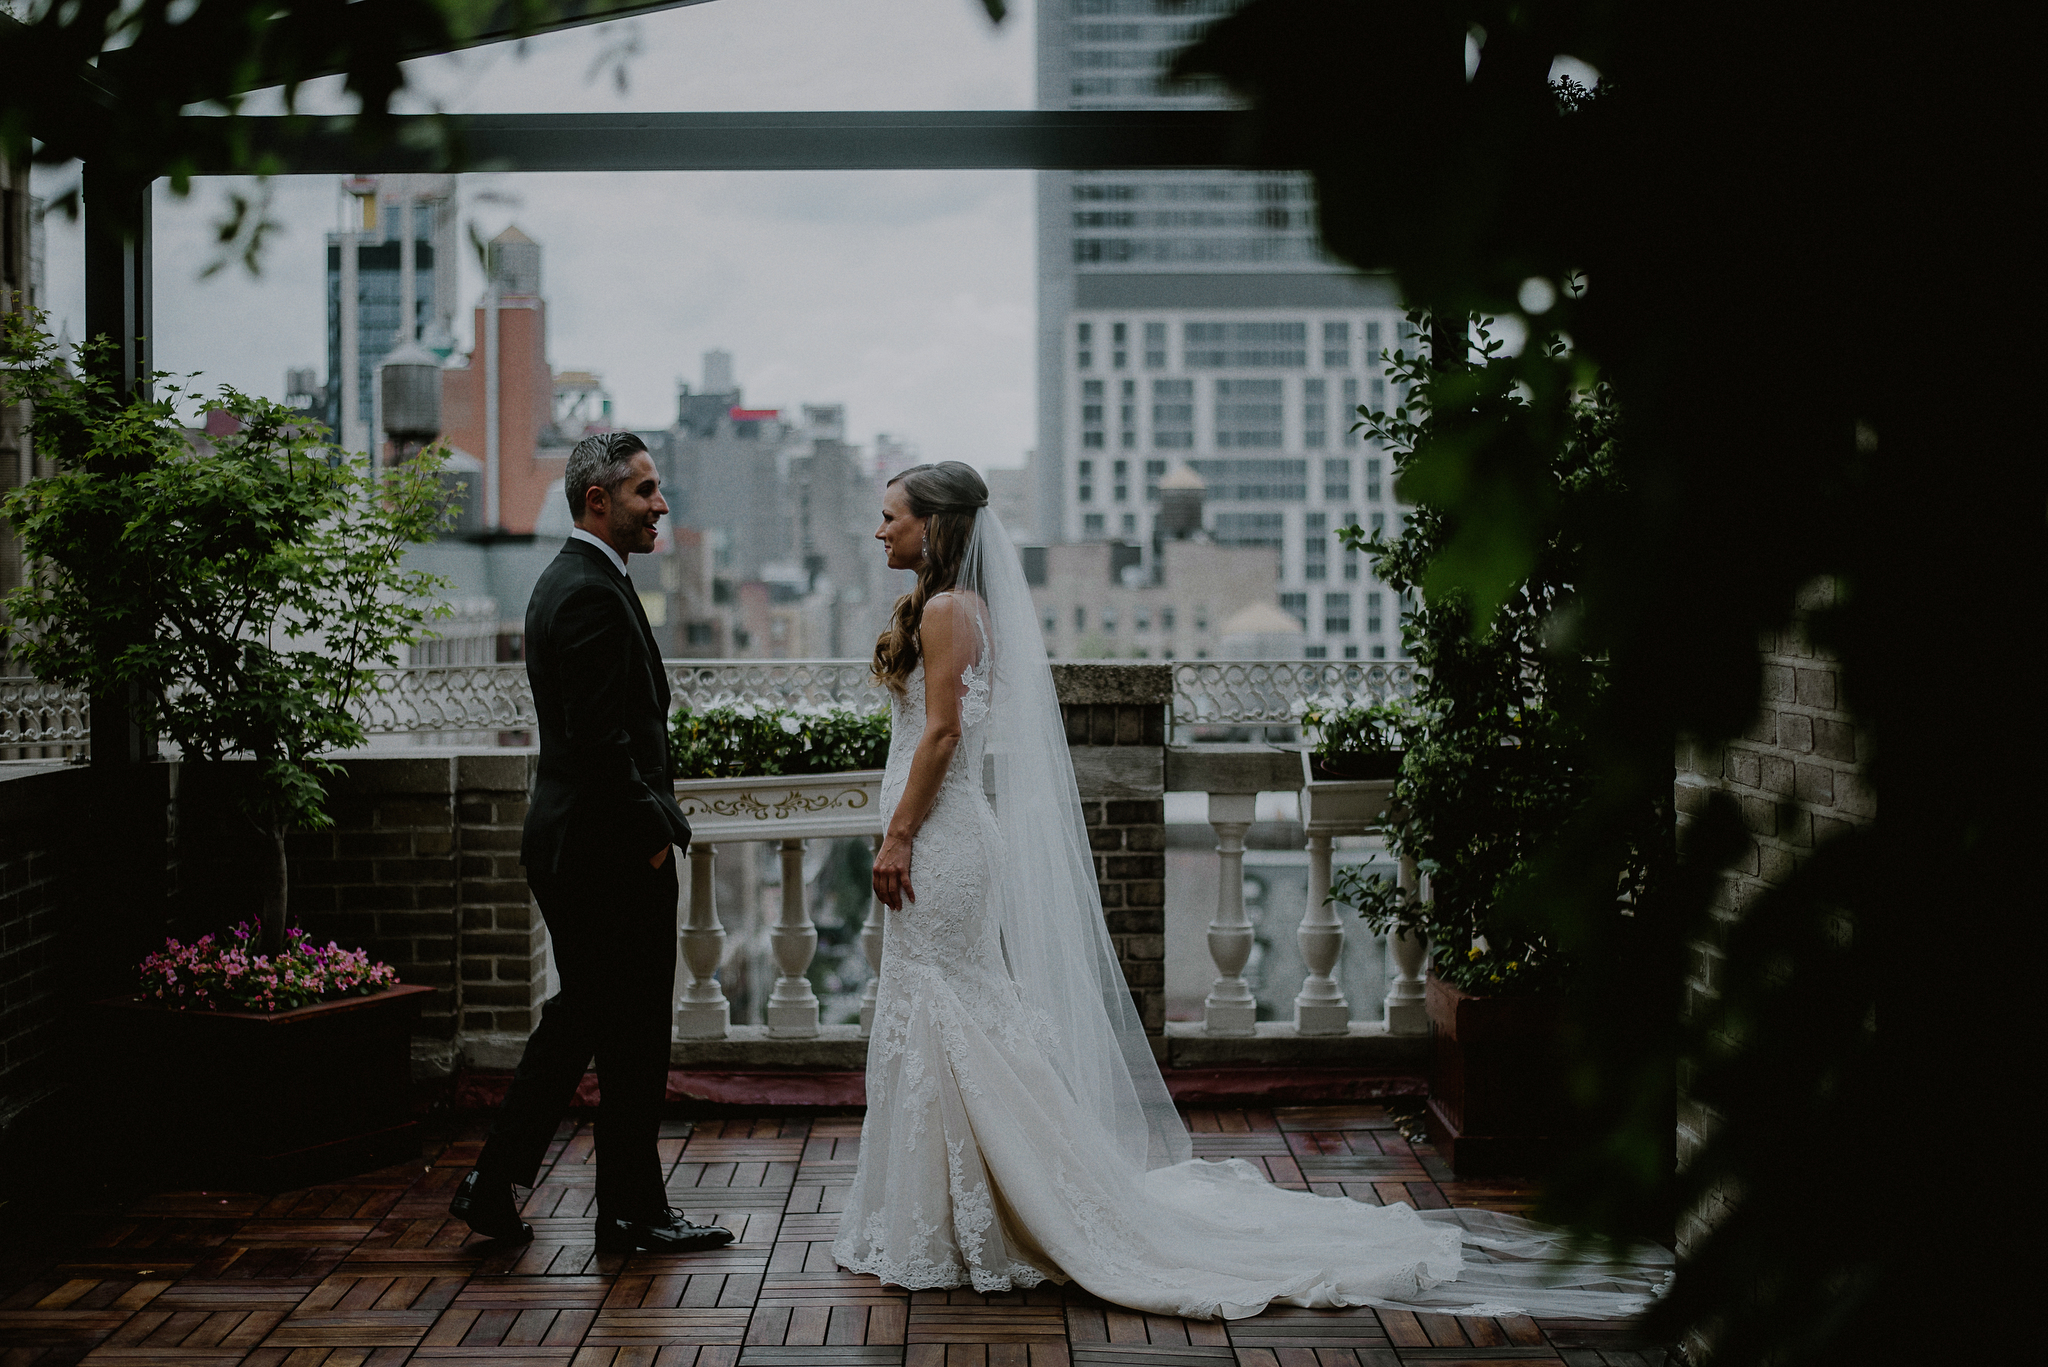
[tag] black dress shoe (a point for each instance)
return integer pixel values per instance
(488, 1208)
(672, 1234)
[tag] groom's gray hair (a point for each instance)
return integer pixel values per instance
(600, 462)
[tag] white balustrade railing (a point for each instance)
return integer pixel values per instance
(786, 810)
(1230, 1008)
(1329, 809)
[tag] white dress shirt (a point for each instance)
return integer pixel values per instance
(618, 561)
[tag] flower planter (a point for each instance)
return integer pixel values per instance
(783, 806)
(261, 1099)
(1495, 1082)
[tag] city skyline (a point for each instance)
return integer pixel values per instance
(906, 296)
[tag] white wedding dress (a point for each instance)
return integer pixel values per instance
(989, 1156)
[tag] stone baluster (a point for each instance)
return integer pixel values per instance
(792, 1009)
(1320, 1009)
(1407, 994)
(1230, 1008)
(871, 947)
(702, 1011)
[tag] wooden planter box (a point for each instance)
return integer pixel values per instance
(262, 1099)
(1495, 1082)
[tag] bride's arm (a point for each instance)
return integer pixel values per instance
(943, 641)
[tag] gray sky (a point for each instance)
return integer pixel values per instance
(906, 296)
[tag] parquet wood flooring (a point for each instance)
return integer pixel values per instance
(371, 1272)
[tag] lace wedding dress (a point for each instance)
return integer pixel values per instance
(1013, 1134)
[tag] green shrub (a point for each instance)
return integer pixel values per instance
(1497, 763)
(745, 740)
(1378, 729)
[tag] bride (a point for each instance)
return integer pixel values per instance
(1018, 1129)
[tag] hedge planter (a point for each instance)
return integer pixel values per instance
(263, 1099)
(1494, 1080)
(1353, 768)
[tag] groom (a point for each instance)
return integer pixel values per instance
(599, 835)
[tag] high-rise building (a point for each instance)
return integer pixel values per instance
(1192, 316)
(786, 511)
(499, 409)
(376, 210)
(21, 289)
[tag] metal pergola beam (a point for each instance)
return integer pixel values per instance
(924, 140)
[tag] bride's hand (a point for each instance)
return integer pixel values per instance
(892, 873)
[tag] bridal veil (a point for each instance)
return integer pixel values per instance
(1045, 896)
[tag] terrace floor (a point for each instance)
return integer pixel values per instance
(371, 1271)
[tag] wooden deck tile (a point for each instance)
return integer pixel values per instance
(1357, 1117)
(1239, 1145)
(639, 1328)
(1150, 1355)
(1291, 1327)
(372, 1272)
(986, 1324)
(1355, 1167)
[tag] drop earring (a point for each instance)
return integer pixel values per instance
(924, 550)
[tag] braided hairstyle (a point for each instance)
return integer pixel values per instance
(947, 495)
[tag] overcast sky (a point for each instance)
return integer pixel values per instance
(907, 296)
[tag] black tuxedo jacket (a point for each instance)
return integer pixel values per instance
(603, 792)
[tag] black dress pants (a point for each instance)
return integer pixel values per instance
(614, 936)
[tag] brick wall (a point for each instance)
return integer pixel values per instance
(1797, 776)
(37, 978)
(1116, 732)
(504, 942)
(421, 867)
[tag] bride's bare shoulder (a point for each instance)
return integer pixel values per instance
(958, 600)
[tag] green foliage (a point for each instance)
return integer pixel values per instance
(743, 740)
(116, 84)
(1495, 769)
(1375, 729)
(1786, 470)
(242, 591)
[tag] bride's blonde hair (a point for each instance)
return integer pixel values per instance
(947, 495)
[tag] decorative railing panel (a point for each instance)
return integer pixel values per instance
(34, 713)
(431, 699)
(1275, 692)
(426, 699)
(776, 683)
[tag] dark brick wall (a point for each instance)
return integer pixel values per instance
(503, 940)
(1128, 836)
(38, 813)
(1124, 708)
(421, 868)
(1798, 777)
